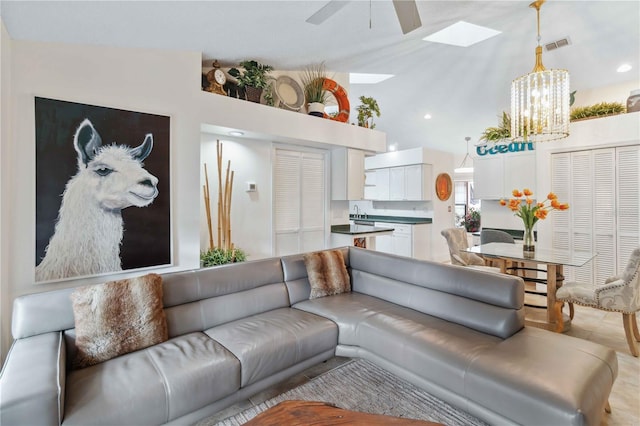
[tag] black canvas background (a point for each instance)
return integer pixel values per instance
(147, 231)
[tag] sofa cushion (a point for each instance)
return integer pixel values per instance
(327, 273)
(273, 341)
(154, 385)
(117, 318)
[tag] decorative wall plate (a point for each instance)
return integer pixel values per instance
(444, 186)
(289, 93)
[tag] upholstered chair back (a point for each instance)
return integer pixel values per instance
(457, 241)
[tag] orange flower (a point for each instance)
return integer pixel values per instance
(529, 201)
(555, 203)
(541, 214)
(516, 193)
(552, 196)
(564, 206)
(527, 192)
(540, 205)
(503, 203)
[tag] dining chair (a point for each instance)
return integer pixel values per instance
(457, 242)
(495, 236)
(620, 293)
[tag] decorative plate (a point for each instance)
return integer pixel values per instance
(289, 93)
(444, 186)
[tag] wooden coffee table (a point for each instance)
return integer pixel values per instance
(292, 413)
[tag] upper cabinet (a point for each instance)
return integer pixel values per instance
(404, 183)
(347, 174)
(496, 176)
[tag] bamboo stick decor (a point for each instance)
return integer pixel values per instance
(224, 203)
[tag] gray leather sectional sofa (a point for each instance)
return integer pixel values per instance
(235, 330)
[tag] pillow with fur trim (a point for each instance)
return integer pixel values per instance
(118, 317)
(327, 273)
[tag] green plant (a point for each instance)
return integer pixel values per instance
(313, 83)
(472, 220)
(254, 75)
(219, 256)
(366, 110)
(597, 110)
(496, 134)
(268, 95)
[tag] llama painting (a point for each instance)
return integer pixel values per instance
(110, 179)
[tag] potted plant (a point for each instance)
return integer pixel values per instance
(253, 79)
(366, 110)
(472, 220)
(500, 133)
(315, 94)
(221, 256)
(602, 109)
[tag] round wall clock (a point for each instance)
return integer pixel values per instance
(444, 186)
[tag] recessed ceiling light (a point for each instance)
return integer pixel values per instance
(427, 116)
(363, 78)
(624, 68)
(462, 34)
(393, 147)
(236, 133)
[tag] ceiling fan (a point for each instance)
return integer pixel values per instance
(406, 10)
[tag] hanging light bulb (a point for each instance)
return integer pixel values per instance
(463, 166)
(540, 100)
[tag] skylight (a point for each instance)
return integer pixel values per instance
(462, 34)
(363, 78)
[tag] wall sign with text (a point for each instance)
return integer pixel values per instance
(503, 148)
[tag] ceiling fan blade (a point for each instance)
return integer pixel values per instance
(408, 15)
(326, 11)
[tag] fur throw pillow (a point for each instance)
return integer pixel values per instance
(118, 317)
(327, 273)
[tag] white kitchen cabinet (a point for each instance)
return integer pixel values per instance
(406, 240)
(495, 177)
(347, 174)
(410, 183)
(376, 185)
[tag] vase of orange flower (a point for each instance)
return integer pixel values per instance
(530, 212)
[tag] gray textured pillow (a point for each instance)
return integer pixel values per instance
(327, 273)
(118, 317)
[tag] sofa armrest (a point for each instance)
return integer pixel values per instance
(32, 381)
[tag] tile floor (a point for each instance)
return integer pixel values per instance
(590, 324)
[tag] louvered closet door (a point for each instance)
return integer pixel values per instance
(628, 186)
(604, 214)
(560, 185)
(581, 210)
(299, 201)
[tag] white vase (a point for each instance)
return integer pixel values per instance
(316, 109)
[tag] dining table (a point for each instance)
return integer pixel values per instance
(511, 258)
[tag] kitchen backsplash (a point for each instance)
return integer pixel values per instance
(393, 208)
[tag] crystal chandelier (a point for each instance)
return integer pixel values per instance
(540, 100)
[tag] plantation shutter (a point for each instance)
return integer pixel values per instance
(628, 195)
(299, 202)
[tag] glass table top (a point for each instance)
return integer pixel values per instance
(540, 255)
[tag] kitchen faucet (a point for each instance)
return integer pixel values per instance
(357, 209)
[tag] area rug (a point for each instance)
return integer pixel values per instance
(360, 385)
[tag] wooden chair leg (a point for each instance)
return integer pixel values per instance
(571, 312)
(634, 324)
(607, 407)
(629, 321)
(558, 312)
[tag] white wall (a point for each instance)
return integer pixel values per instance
(616, 93)
(251, 212)
(5, 174)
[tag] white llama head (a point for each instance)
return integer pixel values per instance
(115, 173)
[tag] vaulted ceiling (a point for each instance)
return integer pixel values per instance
(464, 89)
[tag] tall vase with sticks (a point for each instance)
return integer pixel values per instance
(224, 203)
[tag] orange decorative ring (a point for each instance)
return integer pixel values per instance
(340, 94)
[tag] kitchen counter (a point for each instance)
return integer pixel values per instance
(391, 219)
(360, 230)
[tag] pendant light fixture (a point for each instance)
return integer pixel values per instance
(463, 166)
(540, 100)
